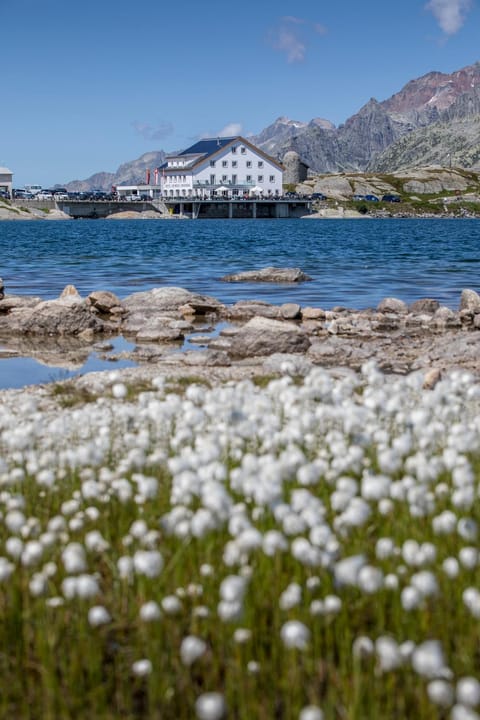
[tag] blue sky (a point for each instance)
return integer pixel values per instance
(86, 86)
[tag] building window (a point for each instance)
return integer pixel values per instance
(212, 179)
(234, 163)
(212, 163)
(224, 178)
(260, 178)
(234, 149)
(272, 178)
(249, 163)
(224, 163)
(243, 150)
(260, 163)
(249, 178)
(234, 179)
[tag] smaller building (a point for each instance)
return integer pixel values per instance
(6, 180)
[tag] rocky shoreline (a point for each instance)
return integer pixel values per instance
(179, 332)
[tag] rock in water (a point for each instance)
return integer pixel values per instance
(2, 289)
(268, 274)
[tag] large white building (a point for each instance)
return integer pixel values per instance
(227, 167)
(223, 166)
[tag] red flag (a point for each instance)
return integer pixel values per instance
(155, 174)
(148, 176)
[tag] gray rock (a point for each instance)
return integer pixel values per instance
(105, 302)
(264, 336)
(169, 300)
(2, 289)
(290, 311)
(392, 305)
(56, 317)
(246, 309)
(425, 305)
(470, 300)
(268, 274)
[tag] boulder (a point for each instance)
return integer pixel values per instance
(70, 294)
(392, 305)
(264, 336)
(246, 309)
(312, 313)
(268, 274)
(290, 311)
(55, 317)
(169, 300)
(470, 300)
(425, 305)
(2, 289)
(105, 302)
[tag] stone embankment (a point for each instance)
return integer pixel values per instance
(250, 336)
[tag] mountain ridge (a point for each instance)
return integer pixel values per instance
(434, 118)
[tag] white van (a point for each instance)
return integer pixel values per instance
(33, 189)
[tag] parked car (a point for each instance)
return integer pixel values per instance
(371, 198)
(20, 194)
(44, 195)
(5, 195)
(358, 197)
(391, 198)
(318, 196)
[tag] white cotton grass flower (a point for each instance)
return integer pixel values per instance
(95, 542)
(440, 692)
(411, 598)
(148, 563)
(468, 691)
(14, 547)
(425, 582)
(82, 586)
(210, 706)
(142, 668)
(362, 647)
(32, 553)
(242, 636)
(471, 600)
(38, 584)
(388, 653)
(370, 579)
(468, 557)
(462, 712)
(467, 529)
(295, 634)
(428, 659)
(74, 558)
(191, 649)
(346, 570)
(310, 712)
(150, 612)
(171, 605)
(290, 597)
(253, 667)
(98, 615)
(119, 391)
(451, 567)
(125, 567)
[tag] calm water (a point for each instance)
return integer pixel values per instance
(352, 262)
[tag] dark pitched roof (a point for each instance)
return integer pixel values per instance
(207, 146)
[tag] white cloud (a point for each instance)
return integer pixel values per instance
(230, 130)
(450, 14)
(289, 35)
